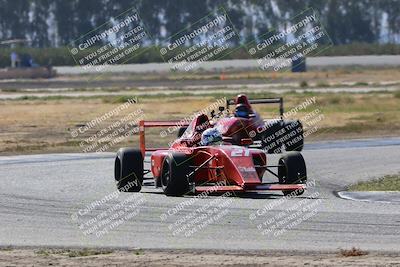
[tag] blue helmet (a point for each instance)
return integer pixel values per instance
(242, 111)
(211, 136)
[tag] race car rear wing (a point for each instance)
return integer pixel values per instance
(277, 100)
(153, 124)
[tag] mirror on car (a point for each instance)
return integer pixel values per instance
(212, 113)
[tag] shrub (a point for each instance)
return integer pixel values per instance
(303, 84)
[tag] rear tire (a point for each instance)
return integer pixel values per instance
(292, 170)
(173, 176)
(296, 143)
(128, 170)
(181, 131)
(269, 141)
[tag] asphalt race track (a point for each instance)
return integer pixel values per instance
(44, 199)
(370, 60)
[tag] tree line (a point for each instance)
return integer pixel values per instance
(57, 23)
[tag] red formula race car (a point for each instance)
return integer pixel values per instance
(189, 166)
(243, 121)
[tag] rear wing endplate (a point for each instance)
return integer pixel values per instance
(154, 124)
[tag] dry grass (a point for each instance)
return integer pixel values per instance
(35, 126)
(386, 183)
(353, 252)
(72, 253)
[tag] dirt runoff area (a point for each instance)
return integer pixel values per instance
(97, 257)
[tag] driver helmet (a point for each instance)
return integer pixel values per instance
(211, 136)
(242, 111)
(243, 108)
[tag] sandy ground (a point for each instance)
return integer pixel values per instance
(64, 257)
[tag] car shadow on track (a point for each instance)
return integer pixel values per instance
(264, 195)
(150, 189)
(247, 195)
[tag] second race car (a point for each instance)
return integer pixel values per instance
(244, 122)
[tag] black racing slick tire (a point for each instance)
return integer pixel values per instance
(292, 170)
(128, 170)
(181, 131)
(269, 141)
(174, 173)
(296, 142)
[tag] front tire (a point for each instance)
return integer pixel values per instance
(292, 170)
(128, 170)
(173, 176)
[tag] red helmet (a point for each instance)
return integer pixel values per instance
(242, 100)
(243, 108)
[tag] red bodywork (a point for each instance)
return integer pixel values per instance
(221, 168)
(238, 127)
